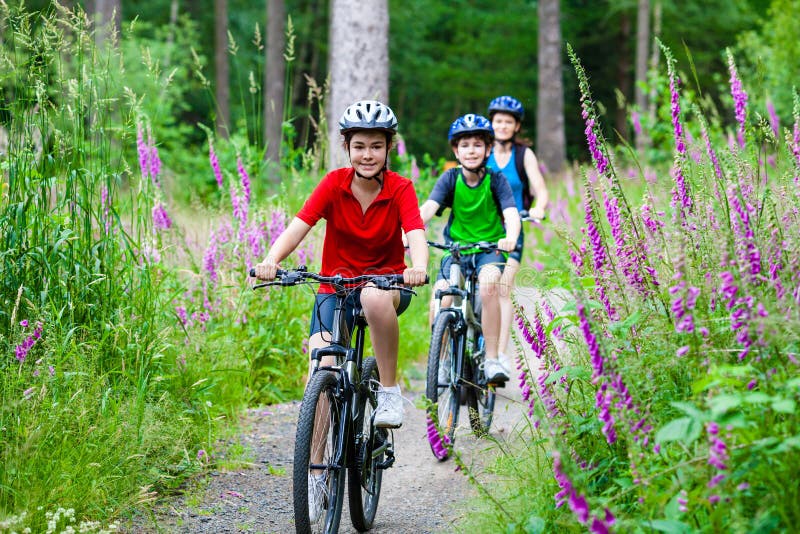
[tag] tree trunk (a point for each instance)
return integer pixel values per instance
(107, 18)
(221, 67)
(550, 136)
(654, 60)
(358, 62)
(274, 78)
(623, 75)
(642, 51)
(173, 22)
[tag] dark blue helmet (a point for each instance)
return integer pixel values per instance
(507, 104)
(471, 124)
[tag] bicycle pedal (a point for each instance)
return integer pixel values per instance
(388, 461)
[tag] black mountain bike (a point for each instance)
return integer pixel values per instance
(455, 360)
(335, 430)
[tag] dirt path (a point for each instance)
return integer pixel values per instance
(419, 495)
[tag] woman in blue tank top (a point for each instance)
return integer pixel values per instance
(506, 114)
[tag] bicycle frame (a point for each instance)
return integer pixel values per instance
(462, 290)
(349, 359)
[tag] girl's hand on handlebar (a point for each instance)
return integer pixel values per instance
(267, 269)
(415, 276)
(537, 214)
(506, 244)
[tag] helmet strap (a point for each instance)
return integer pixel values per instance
(505, 142)
(480, 170)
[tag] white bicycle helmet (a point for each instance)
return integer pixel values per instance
(368, 115)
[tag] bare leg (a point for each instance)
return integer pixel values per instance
(506, 308)
(380, 310)
(489, 279)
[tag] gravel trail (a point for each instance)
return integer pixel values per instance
(419, 493)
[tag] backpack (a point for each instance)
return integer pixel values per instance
(519, 163)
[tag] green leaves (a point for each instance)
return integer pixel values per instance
(670, 526)
(685, 430)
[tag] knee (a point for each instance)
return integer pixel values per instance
(376, 302)
(490, 290)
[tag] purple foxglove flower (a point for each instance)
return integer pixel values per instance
(739, 100)
(212, 157)
(774, 121)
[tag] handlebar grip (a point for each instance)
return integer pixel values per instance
(278, 273)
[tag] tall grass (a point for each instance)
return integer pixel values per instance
(132, 336)
(664, 395)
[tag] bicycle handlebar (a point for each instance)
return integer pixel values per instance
(455, 246)
(291, 277)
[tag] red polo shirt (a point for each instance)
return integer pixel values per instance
(362, 242)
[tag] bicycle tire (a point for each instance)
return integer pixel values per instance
(364, 477)
(323, 385)
(480, 399)
(446, 396)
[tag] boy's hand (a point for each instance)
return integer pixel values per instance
(414, 276)
(267, 269)
(506, 244)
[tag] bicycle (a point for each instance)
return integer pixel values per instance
(340, 400)
(455, 360)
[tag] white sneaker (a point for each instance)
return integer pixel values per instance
(505, 360)
(317, 495)
(495, 371)
(389, 412)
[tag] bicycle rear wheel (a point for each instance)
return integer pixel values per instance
(364, 477)
(320, 448)
(443, 384)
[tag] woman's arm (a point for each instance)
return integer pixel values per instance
(537, 185)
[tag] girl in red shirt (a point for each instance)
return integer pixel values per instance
(366, 208)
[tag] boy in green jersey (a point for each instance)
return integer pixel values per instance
(482, 208)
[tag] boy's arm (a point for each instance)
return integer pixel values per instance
(537, 185)
(428, 210)
(512, 223)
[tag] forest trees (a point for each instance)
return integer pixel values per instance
(550, 139)
(274, 73)
(359, 61)
(222, 67)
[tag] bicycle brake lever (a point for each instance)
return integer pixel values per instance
(402, 289)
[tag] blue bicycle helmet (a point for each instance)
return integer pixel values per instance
(471, 124)
(507, 104)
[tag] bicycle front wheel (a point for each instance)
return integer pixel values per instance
(364, 478)
(480, 400)
(443, 381)
(319, 451)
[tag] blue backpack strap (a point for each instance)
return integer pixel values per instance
(519, 163)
